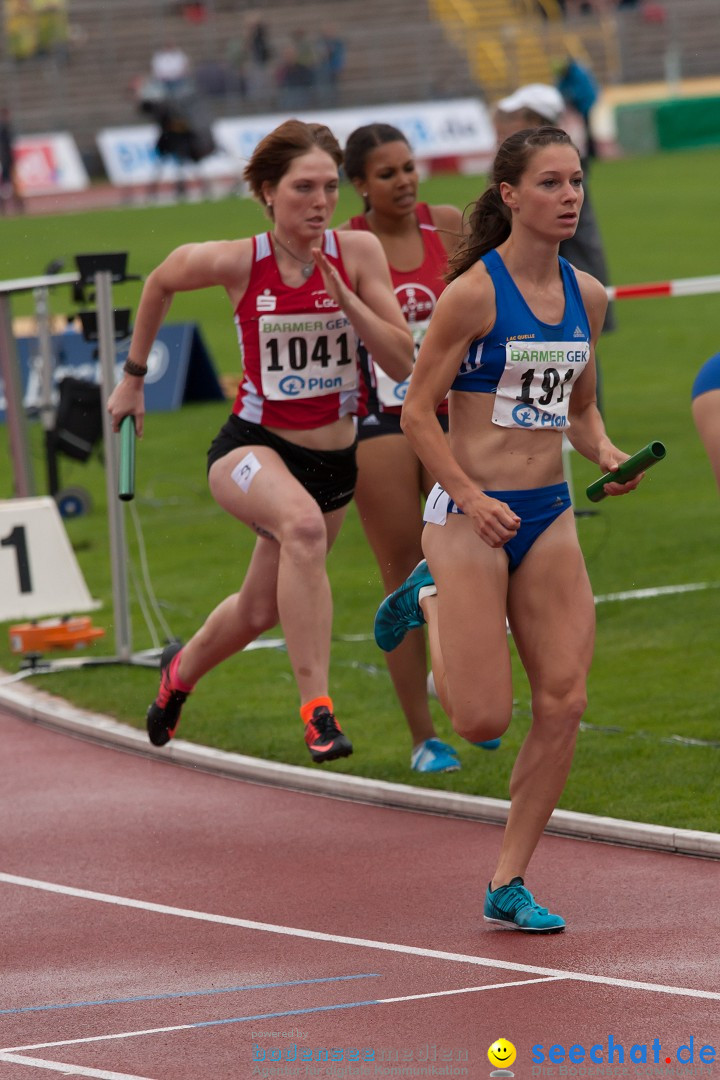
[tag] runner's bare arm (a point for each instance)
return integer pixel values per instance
(373, 309)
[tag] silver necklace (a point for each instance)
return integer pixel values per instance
(307, 267)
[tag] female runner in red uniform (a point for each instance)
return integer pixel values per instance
(417, 240)
(284, 463)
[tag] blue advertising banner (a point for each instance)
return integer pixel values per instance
(180, 368)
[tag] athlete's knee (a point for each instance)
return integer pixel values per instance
(254, 612)
(478, 720)
(261, 615)
(304, 536)
(561, 710)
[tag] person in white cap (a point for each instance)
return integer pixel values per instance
(530, 106)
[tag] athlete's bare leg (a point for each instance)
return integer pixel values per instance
(286, 580)
(390, 478)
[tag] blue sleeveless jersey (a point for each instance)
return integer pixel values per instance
(529, 365)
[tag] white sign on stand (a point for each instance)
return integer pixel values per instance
(39, 574)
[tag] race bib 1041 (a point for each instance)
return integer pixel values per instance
(535, 387)
(306, 355)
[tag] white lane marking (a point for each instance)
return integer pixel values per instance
(270, 1016)
(61, 1067)
(660, 590)
(364, 943)
(471, 989)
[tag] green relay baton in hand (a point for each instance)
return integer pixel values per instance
(649, 455)
(126, 477)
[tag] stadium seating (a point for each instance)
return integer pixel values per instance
(407, 50)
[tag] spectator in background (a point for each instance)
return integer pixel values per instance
(20, 29)
(330, 49)
(580, 91)
(195, 13)
(10, 197)
(295, 79)
(589, 7)
(706, 410)
(249, 58)
(536, 105)
(170, 68)
(52, 28)
(183, 142)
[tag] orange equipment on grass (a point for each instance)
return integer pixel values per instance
(73, 632)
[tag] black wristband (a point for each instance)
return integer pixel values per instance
(131, 368)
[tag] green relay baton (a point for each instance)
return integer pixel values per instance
(126, 477)
(649, 455)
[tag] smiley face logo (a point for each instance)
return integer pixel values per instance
(502, 1053)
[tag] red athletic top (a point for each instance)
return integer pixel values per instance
(300, 363)
(417, 291)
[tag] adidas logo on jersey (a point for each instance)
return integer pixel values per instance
(578, 332)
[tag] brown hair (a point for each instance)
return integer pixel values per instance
(490, 221)
(272, 156)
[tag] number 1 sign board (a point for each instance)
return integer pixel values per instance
(39, 574)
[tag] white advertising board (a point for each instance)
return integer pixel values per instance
(48, 164)
(459, 128)
(129, 157)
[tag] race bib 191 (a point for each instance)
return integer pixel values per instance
(534, 390)
(306, 355)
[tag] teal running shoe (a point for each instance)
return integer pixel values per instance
(514, 907)
(433, 755)
(489, 744)
(401, 611)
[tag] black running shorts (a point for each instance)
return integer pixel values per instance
(328, 475)
(388, 423)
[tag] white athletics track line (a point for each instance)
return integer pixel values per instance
(63, 1067)
(364, 943)
(17, 1054)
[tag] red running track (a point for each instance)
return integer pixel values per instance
(162, 923)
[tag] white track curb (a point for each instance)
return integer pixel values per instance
(36, 705)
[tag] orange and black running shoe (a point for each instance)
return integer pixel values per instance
(324, 736)
(163, 715)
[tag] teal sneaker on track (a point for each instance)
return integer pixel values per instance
(514, 907)
(434, 756)
(401, 611)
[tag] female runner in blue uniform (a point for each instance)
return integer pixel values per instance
(706, 410)
(512, 339)
(284, 463)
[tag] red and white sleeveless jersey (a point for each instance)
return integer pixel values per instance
(417, 292)
(300, 367)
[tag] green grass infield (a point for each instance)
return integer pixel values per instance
(649, 748)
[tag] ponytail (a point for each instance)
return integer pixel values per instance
(489, 227)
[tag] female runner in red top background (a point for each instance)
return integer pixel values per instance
(417, 240)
